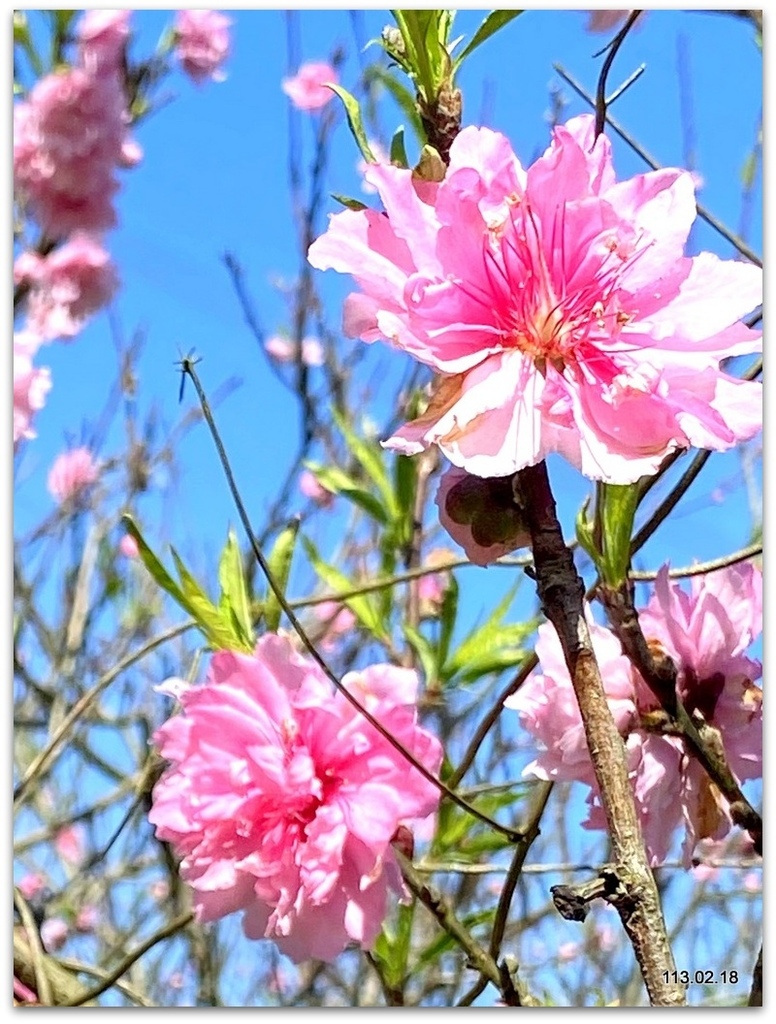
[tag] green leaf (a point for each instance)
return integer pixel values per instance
(339, 482)
(447, 617)
(491, 648)
(586, 533)
(619, 504)
(279, 561)
(398, 153)
(234, 601)
(370, 457)
(491, 24)
(216, 627)
(355, 123)
(351, 204)
(393, 945)
(404, 99)
(425, 651)
(361, 606)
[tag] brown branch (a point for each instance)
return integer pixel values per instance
(561, 593)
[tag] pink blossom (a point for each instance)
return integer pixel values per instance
(69, 136)
(102, 36)
(306, 89)
(753, 881)
(202, 44)
(282, 800)
(311, 488)
(87, 918)
(339, 621)
(555, 305)
(569, 951)
(128, 546)
(284, 350)
(71, 474)
(604, 20)
(706, 633)
(30, 385)
(53, 933)
(31, 884)
(22, 993)
(481, 515)
(705, 872)
(67, 286)
(69, 843)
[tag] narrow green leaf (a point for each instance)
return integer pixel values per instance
(355, 123)
(153, 565)
(361, 606)
(216, 627)
(403, 97)
(425, 651)
(398, 153)
(586, 533)
(370, 457)
(351, 204)
(338, 481)
(280, 564)
(234, 600)
(491, 24)
(619, 510)
(492, 647)
(447, 618)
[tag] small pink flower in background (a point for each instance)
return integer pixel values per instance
(128, 546)
(606, 938)
(604, 21)
(69, 844)
(69, 137)
(202, 44)
(568, 951)
(306, 89)
(23, 993)
(159, 890)
(66, 287)
(72, 473)
(338, 619)
(481, 515)
(102, 36)
(53, 933)
(87, 919)
(311, 488)
(283, 800)
(283, 350)
(31, 384)
(30, 885)
(753, 881)
(705, 872)
(706, 633)
(555, 306)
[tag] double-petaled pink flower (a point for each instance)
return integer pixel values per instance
(554, 304)
(67, 286)
(202, 44)
(706, 633)
(282, 800)
(31, 384)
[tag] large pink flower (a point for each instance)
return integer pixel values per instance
(706, 633)
(555, 305)
(307, 89)
(67, 286)
(282, 799)
(202, 44)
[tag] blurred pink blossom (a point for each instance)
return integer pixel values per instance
(69, 843)
(283, 349)
(87, 919)
(306, 89)
(481, 515)
(705, 632)
(339, 621)
(31, 384)
(569, 951)
(102, 36)
(282, 800)
(53, 933)
(311, 488)
(66, 287)
(31, 884)
(555, 305)
(753, 881)
(604, 20)
(202, 43)
(72, 472)
(705, 872)
(128, 546)
(69, 137)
